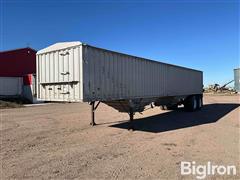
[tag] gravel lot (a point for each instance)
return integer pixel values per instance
(56, 141)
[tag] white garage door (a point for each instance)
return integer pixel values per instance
(10, 86)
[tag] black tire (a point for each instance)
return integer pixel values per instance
(199, 102)
(163, 107)
(190, 103)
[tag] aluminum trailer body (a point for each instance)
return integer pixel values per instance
(77, 72)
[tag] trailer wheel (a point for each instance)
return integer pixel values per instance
(163, 107)
(200, 102)
(191, 103)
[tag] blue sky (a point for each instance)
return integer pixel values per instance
(198, 34)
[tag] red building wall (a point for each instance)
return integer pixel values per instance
(18, 62)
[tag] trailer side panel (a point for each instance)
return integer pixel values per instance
(108, 75)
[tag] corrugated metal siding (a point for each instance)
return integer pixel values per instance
(59, 75)
(237, 79)
(18, 62)
(11, 86)
(110, 76)
(106, 75)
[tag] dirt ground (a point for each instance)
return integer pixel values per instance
(56, 141)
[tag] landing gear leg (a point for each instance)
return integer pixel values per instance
(92, 123)
(93, 108)
(131, 120)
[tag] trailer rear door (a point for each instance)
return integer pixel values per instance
(59, 75)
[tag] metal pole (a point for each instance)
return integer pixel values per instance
(131, 119)
(93, 114)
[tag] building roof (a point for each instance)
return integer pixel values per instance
(17, 49)
(58, 46)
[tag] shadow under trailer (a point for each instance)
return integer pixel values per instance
(77, 72)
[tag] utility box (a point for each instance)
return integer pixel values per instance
(237, 79)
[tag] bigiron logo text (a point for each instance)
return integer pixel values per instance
(201, 171)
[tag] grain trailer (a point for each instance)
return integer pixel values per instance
(78, 72)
